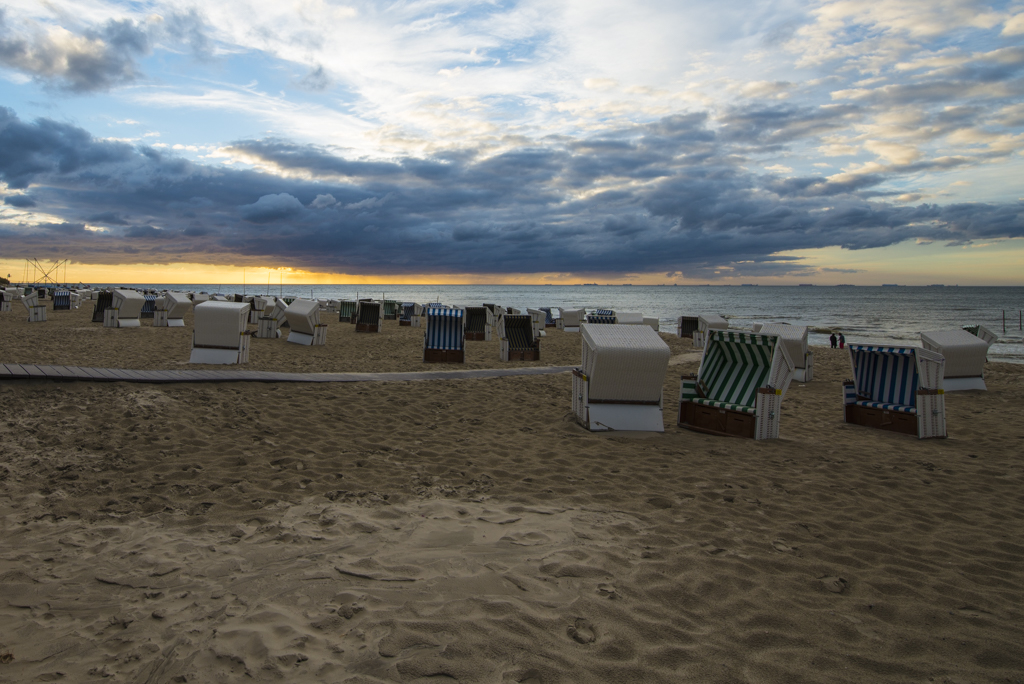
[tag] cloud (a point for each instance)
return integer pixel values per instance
(316, 80)
(271, 208)
(671, 196)
(20, 201)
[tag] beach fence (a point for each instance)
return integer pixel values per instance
(1020, 320)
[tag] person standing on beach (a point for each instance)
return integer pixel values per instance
(842, 340)
(832, 339)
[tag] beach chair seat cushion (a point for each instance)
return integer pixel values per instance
(725, 405)
(901, 408)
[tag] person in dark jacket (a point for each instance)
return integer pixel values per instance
(832, 339)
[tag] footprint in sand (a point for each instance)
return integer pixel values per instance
(582, 632)
(782, 547)
(837, 585)
(711, 549)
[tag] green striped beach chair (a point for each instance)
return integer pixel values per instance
(518, 339)
(739, 387)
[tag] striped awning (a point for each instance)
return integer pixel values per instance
(735, 366)
(885, 374)
(445, 329)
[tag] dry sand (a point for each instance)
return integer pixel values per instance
(470, 531)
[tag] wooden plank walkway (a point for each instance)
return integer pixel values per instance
(23, 371)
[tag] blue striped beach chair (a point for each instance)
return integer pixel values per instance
(549, 318)
(739, 388)
(445, 337)
(410, 310)
(518, 341)
(62, 300)
(604, 316)
(149, 308)
(896, 388)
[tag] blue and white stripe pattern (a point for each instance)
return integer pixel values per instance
(62, 300)
(548, 318)
(601, 318)
(604, 312)
(149, 308)
(408, 309)
(886, 376)
(445, 329)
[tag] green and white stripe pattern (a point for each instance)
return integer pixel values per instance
(735, 365)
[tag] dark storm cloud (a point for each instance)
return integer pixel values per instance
(98, 58)
(20, 201)
(671, 196)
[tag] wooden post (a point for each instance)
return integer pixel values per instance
(1004, 321)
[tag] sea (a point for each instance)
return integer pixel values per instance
(887, 315)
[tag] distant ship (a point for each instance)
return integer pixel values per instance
(890, 285)
(805, 285)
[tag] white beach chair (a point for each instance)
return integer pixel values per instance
(36, 311)
(5, 299)
(705, 324)
(896, 388)
(303, 318)
(444, 340)
(629, 318)
(124, 310)
(739, 388)
(965, 356)
(479, 322)
(170, 310)
(794, 339)
(220, 334)
(618, 385)
(982, 332)
(198, 298)
(539, 317)
(410, 310)
(686, 326)
(518, 339)
(569, 320)
(268, 326)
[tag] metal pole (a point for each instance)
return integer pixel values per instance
(1004, 321)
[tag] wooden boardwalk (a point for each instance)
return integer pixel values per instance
(24, 371)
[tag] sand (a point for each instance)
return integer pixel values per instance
(470, 531)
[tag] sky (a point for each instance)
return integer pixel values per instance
(676, 141)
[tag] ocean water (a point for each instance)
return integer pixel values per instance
(874, 315)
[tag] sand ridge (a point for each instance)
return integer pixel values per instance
(469, 530)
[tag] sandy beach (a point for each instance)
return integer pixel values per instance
(471, 531)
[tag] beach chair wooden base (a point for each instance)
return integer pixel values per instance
(319, 337)
(477, 336)
(444, 356)
(368, 327)
(407, 322)
(961, 384)
(267, 329)
(219, 355)
(521, 355)
(599, 416)
(716, 421)
(37, 314)
(894, 421)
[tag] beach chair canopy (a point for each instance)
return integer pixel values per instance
(629, 318)
(219, 324)
(712, 322)
(128, 303)
(792, 337)
(735, 365)
(982, 332)
(604, 312)
(571, 318)
(600, 318)
(30, 300)
(410, 309)
(176, 304)
(518, 330)
(303, 315)
(346, 309)
(889, 377)
(624, 363)
(445, 329)
(965, 353)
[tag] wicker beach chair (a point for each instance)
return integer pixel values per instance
(36, 310)
(149, 306)
(347, 311)
(965, 356)
(705, 324)
(220, 334)
(444, 339)
(410, 310)
(629, 318)
(618, 385)
(549, 319)
(518, 338)
(124, 310)
(982, 332)
(539, 317)
(896, 388)
(739, 388)
(686, 326)
(794, 338)
(569, 319)
(62, 300)
(170, 310)
(103, 301)
(368, 317)
(602, 317)
(303, 316)
(479, 322)
(5, 301)
(268, 325)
